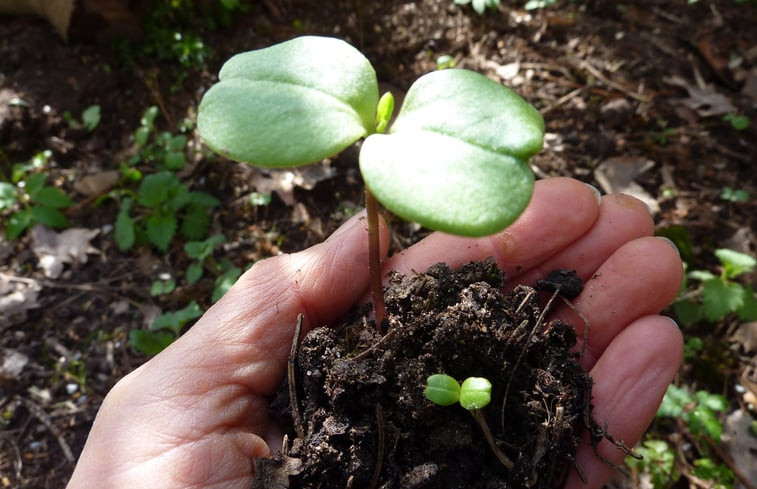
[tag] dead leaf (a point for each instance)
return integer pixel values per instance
(703, 98)
(616, 176)
(57, 249)
(740, 444)
(97, 183)
(283, 182)
(17, 295)
(746, 336)
(58, 13)
(12, 363)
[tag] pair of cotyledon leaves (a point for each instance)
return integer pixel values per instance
(455, 159)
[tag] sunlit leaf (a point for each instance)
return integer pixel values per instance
(456, 158)
(290, 104)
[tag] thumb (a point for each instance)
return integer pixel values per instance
(249, 331)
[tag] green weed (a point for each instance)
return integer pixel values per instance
(27, 199)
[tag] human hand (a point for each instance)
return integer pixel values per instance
(197, 413)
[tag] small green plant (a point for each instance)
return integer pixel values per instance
(90, 118)
(162, 206)
(718, 295)
(161, 149)
(474, 394)
(163, 330)
(700, 415)
(479, 6)
(733, 195)
(737, 122)
(445, 61)
(27, 199)
(201, 252)
(444, 390)
(455, 158)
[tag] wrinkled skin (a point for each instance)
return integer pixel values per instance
(195, 415)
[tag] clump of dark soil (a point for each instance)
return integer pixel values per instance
(361, 418)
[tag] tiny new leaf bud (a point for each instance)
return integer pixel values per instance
(442, 389)
(475, 393)
(384, 112)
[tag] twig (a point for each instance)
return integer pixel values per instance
(743, 478)
(380, 448)
(292, 378)
(368, 350)
(44, 418)
(617, 86)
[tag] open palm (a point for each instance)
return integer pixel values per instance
(197, 413)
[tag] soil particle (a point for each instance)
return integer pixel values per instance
(361, 396)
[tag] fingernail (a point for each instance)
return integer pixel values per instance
(595, 190)
(672, 321)
(671, 243)
(349, 224)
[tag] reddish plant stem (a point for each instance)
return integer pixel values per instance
(374, 258)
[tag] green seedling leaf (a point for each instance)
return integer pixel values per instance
(176, 320)
(91, 117)
(196, 222)
(150, 342)
(674, 402)
(18, 223)
(442, 389)
(161, 229)
(720, 298)
(124, 232)
(384, 111)
(475, 393)
(175, 160)
(224, 282)
(200, 250)
(52, 197)
(34, 183)
(162, 287)
(48, 216)
(156, 188)
(141, 135)
(290, 104)
(148, 118)
(735, 263)
(8, 195)
(456, 157)
(688, 312)
(748, 310)
(194, 272)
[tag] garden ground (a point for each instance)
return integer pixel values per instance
(648, 98)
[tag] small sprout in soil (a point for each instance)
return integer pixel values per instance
(442, 389)
(475, 393)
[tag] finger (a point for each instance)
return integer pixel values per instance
(621, 219)
(642, 277)
(246, 336)
(630, 380)
(561, 210)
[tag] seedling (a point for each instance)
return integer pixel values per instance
(699, 415)
(27, 200)
(455, 159)
(719, 295)
(474, 394)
